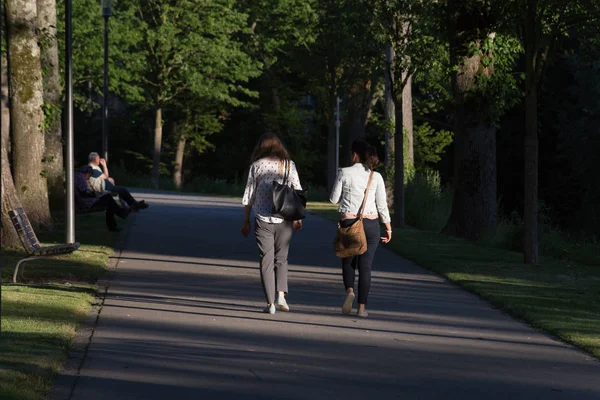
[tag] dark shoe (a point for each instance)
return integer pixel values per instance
(115, 229)
(362, 314)
(142, 205)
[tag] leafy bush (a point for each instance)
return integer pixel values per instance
(429, 145)
(552, 241)
(427, 203)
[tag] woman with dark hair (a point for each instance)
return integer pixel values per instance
(349, 191)
(273, 235)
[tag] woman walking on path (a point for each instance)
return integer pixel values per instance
(273, 235)
(349, 191)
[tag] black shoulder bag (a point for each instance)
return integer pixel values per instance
(288, 204)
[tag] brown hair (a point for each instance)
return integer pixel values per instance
(366, 153)
(269, 145)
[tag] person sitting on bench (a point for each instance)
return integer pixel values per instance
(86, 198)
(101, 182)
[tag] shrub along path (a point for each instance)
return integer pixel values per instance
(182, 319)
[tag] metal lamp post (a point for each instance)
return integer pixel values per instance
(69, 165)
(106, 13)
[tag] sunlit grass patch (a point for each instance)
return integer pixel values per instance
(41, 313)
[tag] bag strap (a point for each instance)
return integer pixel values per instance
(364, 203)
(286, 172)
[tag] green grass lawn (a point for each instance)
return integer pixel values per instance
(562, 298)
(41, 313)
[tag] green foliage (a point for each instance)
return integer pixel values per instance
(146, 163)
(501, 88)
(52, 113)
(427, 202)
(278, 25)
(193, 48)
(429, 145)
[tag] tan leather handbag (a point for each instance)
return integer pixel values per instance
(351, 241)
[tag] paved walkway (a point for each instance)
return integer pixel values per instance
(182, 320)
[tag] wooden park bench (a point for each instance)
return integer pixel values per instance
(30, 242)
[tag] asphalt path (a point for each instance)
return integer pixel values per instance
(183, 319)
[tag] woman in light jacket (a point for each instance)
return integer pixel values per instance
(348, 191)
(273, 235)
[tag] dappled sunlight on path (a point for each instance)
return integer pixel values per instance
(183, 319)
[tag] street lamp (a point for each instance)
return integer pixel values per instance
(106, 13)
(69, 158)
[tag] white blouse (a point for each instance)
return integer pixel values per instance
(259, 189)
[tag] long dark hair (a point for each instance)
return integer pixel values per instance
(367, 154)
(269, 145)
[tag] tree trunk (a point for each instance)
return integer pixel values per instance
(10, 201)
(177, 173)
(360, 103)
(407, 122)
(157, 148)
(530, 244)
(389, 111)
(331, 143)
(53, 158)
(399, 218)
(474, 200)
(26, 88)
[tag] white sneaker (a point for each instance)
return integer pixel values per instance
(270, 309)
(347, 306)
(282, 305)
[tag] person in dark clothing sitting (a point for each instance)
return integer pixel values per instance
(101, 182)
(86, 198)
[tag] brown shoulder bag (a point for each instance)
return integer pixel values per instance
(351, 240)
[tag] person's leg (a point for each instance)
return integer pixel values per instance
(348, 274)
(107, 201)
(125, 195)
(283, 237)
(348, 263)
(265, 240)
(365, 261)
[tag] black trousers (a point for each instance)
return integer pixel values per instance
(363, 262)
(112, 208)
(123, 194)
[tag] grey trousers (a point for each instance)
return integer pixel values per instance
(273, 245)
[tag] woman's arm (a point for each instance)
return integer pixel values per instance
(381, 201)
(249, 192)
(336, 192)
(294, 179)
(382, 209)
(248, 201)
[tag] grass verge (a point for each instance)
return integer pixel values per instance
(562, 298)
(41, 314)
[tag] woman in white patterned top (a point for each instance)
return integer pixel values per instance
(273, 235)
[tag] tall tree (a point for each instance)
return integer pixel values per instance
(193, 124)
(278, 27)
(27, 118)
(403, 27)
(10, 200)
(53, 158)
(344, 64)
(484, 86)
(390, 109)
(542, 22)
(192, 47)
